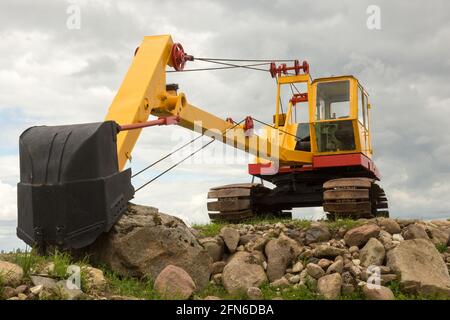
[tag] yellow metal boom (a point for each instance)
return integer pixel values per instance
(143, 92)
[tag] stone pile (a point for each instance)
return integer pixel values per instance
(333, 261)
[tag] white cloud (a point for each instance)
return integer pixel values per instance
(51, 75)
(8, 198)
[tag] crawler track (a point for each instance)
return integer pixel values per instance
(238, 202)
(354, 198)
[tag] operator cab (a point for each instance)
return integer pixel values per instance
(340, 116)
(326, 116)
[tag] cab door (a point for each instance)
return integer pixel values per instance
(363, 121)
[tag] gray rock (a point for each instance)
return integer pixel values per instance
(214, 246)
(330, 286)
(231, 238)
(174, 283)
(212, 298)
(258, 244)
(336, 267)
(314, 270)
(353, 249)
(8, 292)
(355, 271)
(317, 233)
(420, 267)
(438, 235)
(377, 293)
(324, 263)
(254, 293)
(360, 235)
(373, 253)
(68, 293)
(295, 279)
(388, 278)
(280, 253)
(10, 273)
(297, 267)
(415, 231)
(95, 280)
(244, 270)
(389, 225)
(47, 283)
(246, 238)
(280, 283)
(386, 239)
(217, 278)
(327, 251)
(21, 289)
(37, 289)
(217, 267)
(347, 277)
(143, 242)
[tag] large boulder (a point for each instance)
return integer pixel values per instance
(214, 246)
(317, 233)
(360, 235)
(327, 251)
(174, 283)
(243, 271)
(439, 235)
(280, 253)
(10, 273)
(377, 292)
(144, 241)
(415, 231)
(372, 253)
(231, 238)
(420, 267)
(330, 286)
(389, 225)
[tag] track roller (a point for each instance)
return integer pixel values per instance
(239, 202)
(354, 198)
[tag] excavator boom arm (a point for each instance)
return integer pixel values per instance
(143, 93)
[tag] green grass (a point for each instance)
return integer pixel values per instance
(343, 223)
(441, 247)
(213, 229)
(61, 261)
(355, 295)
(27, 259)
(289, 293)
(210, 229)
(129, 286)
(399, 295)
(212, 289)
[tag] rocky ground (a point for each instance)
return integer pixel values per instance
(151, 255)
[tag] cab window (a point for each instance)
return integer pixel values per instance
(333, 100)
(362, 106)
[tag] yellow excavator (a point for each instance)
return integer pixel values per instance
(73, 185)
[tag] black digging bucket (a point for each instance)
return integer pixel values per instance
(70, 188)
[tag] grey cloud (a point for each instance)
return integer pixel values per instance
(55, 75)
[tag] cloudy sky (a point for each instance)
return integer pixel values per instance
(53, 74)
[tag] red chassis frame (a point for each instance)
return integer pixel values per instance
(325, 162)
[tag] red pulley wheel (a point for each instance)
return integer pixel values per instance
(297, 67)
(178, 56)
(305, 67)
